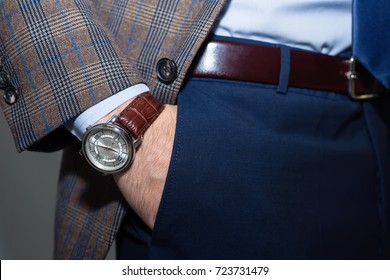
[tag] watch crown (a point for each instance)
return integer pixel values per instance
(113, 118)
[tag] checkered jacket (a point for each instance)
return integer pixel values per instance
(64, 56)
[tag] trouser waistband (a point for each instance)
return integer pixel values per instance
(251, 62)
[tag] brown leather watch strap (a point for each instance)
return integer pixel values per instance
(140, 114)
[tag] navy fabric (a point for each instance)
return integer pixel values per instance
(370, 36)
(259, 174)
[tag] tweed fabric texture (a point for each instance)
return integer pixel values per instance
(64, 56)
(89, 210)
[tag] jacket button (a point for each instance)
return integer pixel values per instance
(166, 70)
(3, 79)
(10, 95)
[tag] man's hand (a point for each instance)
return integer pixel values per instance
(143, 182)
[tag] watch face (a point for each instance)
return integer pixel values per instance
(108, 148)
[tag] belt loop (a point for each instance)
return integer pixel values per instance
(284, 69)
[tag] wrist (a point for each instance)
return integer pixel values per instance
(110, 145)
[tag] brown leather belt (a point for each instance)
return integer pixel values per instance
(258, 63)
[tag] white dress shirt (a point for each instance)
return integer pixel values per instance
(317, 25)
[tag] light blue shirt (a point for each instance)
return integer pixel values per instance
(317, 25)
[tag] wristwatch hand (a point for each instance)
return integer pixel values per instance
(106, 147)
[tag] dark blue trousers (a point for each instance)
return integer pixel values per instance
(263, 173)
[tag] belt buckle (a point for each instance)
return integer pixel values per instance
(352, 76)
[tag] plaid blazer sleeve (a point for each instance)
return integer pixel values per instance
(63, 56)
(61, 60)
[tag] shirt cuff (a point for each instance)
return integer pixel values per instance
(78, 125)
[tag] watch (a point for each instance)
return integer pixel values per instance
(110, 147)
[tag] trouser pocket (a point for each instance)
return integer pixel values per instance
(259, 175)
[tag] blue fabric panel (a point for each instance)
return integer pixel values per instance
(371, 39)
(261, 175)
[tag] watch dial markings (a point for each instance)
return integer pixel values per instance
(107, 149)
